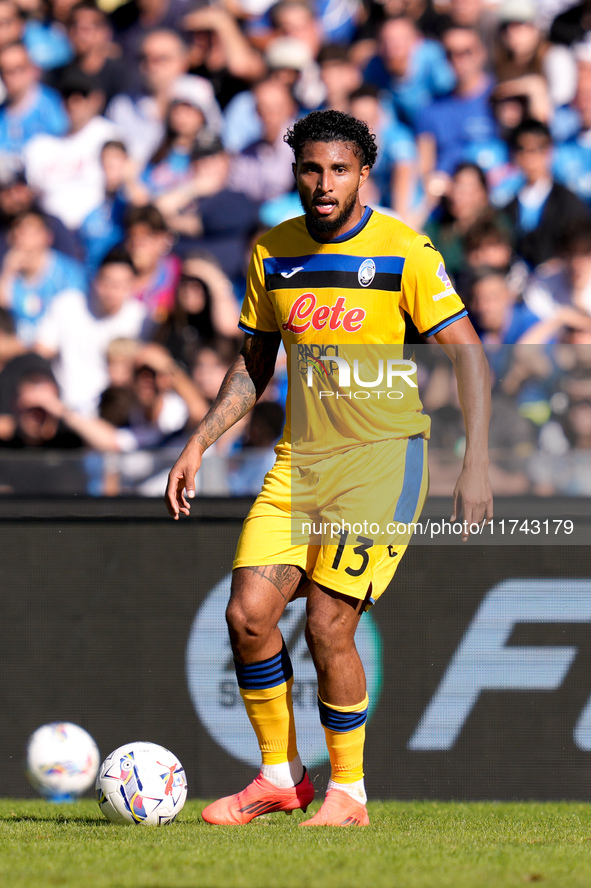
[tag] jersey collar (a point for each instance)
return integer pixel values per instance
(348, 234)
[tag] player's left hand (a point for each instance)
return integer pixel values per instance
(472, 498)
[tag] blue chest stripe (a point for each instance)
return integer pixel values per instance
(290, 267)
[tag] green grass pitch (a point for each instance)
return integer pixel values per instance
(408, 845)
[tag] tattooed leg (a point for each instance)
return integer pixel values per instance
(284, 577)
(258, 599)
(263, 667)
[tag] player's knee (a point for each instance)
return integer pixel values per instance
(245, 624)
(324, 634)
(237, 618)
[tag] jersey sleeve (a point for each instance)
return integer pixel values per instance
(428, 294)
(257, 315)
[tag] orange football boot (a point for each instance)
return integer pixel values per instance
(339, 809)
(259, 797)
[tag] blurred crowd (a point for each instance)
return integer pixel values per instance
(142, 154)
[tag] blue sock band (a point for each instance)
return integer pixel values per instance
(341, 722)
(266, 673)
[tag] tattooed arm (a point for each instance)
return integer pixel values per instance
(244, 383)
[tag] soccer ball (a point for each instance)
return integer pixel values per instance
(141, 783)
(62, 761)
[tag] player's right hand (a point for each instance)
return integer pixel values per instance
(181, 482)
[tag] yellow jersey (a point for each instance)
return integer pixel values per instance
(340, 308)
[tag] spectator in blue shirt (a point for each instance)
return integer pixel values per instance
(103, 227)
(45, 40)
(33, 274)
(496, 312)
(572, 160)
(30, 107)
(543, 211)
(45, 33)
(412, 69)
(452, 125)
(395, 171)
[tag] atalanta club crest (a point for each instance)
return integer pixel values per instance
(367, 272)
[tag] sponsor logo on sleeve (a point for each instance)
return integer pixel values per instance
(443, 294)
(444, 277)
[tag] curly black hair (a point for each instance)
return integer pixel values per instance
(333, 126)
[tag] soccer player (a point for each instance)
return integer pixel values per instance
(339, 276)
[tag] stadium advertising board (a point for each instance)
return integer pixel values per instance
(478, 657)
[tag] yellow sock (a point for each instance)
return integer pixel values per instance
(344, 727)
(270, 711)
(265, 688)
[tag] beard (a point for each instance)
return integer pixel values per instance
(329, 226)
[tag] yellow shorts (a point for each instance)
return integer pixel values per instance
(346, 520)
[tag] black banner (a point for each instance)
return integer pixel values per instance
(478, 657)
